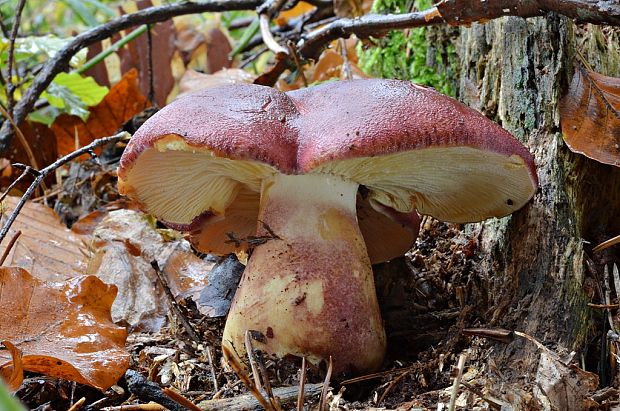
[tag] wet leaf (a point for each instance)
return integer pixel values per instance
(46, 248)
(13, 375)
(125, 243)
(63, 329)
(122, 102)
(590, 116)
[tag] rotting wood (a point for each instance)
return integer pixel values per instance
(286, 395)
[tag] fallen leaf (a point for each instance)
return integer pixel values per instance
(13, 375)
(214, 298)
(563, 386)
(300, 9)
(125, 243)
(63, 329)
(194, 81)
(331, 65)
(122, 103)
(590, 116)
(43, 146)
(46, 248)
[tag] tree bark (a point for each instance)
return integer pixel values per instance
(533, 263)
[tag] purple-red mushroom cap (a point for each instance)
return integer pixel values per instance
(198, 164)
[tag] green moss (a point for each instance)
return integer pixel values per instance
(421, 55)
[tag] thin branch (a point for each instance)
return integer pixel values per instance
(302, 383)
(268, 38)
(371, 24)
(60, 61)
(10, 88)
(173, 303)
(52, 168)
(9, 247)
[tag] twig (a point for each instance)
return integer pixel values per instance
(248, 402)
(14, 183)
(78, 404)
(268, 39)
(363, 27)
(9, 247)
(457, 381)
(236, 367)
(178, 398)
(52, 168)
(302, 383)
(272, 399)
(149, 52)
(250, 351)
(136, 407)
(346, 65)
(392, 385)
(328, 376)
(607, 244)
(147, 390)
(10, 87)
(60, 61)
(604, 306)
(300, 69)
(173, 303)
(22, 139)
(493, 404)
(213, 376)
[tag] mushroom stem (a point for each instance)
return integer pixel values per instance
(310, 291)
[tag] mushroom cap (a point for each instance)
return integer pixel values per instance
(199, 162)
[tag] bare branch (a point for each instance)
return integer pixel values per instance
(10, 88)
(60, 61)
(52, 168)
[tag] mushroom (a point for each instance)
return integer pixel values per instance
(293, 174)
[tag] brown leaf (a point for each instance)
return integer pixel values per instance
(178, 44)
(122, 103)
(42, 144)
(125, 243)
(46, 248)
(63, 329)
(300, 9)
(564, 386)
(13, 374)
(590, 116)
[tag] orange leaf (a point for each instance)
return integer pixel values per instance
(63, 329)
(122, 103)
(590, 116)
(46, 247)
(13, 373)
(193, 80)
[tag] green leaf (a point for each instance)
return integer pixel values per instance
(8, 402)
(73, 94)
(37, 49)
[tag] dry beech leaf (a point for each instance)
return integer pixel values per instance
(331, 65)
(122, 103)
(46, 248)
(13, 374)
(125, 243)
(194, 81)
(563, 386)
(63, 329)
(590, 116)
